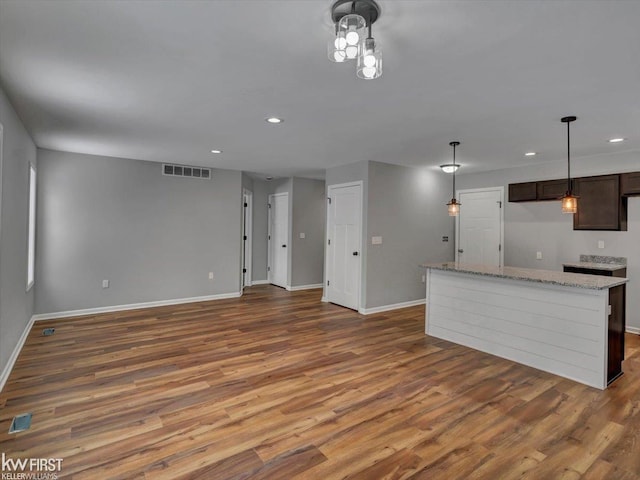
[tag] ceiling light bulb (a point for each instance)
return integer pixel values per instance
(339, 56)
(529, 154)
(340, 43)
(274, 120)
(616, 140)
(351, 51)
(216, 151)
(369, 72)
(369, 59)
(352, 37)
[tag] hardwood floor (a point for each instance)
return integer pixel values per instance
(278, 385)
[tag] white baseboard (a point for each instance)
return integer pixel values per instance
(259, 282)
(6, 371)
(304, 287)
(635, 330)
(324, 299)
(133, 306)
(395, 306)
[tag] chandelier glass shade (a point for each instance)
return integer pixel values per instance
(352, 39)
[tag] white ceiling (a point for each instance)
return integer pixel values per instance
(170, 80)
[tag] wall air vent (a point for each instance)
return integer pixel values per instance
(185, 171)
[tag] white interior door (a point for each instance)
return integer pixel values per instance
(344, 245)
(479, 229)
(278, 239)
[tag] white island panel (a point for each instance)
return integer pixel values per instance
(559, 329)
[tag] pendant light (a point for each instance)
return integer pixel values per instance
(350, 40)
(453, 205)
(369, 65)
(569, 200)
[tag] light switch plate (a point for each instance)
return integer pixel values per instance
(376, 240)
(538, 255)
(302, 235)
(105, 283)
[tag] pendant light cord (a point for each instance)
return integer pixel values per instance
(454, 172)
(568, 159)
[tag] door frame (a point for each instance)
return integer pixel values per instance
(247, 230)
(325, 296)
(270, 234)
(480, 190)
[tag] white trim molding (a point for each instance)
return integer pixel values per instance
(324, 299)
(133, 306)
(635, 330)
(304, 287)
(6, 371)
(395, 306)
(259, 282)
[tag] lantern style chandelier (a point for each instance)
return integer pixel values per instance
(453, 206)
(353, 39)
(569, 200)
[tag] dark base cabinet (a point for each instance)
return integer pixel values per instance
(617, 318)
(617, 328)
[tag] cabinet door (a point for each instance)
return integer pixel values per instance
(552, 189)
(617, 326)
(630, 183)
(522, 192)
(599, 205)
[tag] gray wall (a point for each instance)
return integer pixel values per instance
(407, 208)
(153, 237)
(261, 191)
(16, 305)
(308, 217)
(541, 227)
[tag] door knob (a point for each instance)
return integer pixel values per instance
(284, 246)
(355, 254)
(460, 250)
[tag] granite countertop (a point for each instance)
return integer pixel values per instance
(592, 282)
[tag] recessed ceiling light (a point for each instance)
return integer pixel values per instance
(616, 140)
(215, 150)
(274, 120)
(529, 154)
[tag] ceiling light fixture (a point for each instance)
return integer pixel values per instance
(216, 151)
(449, 167)
(616, 140)
(530, 154)
(569, 201)
(274, 120)
(351, 18)
(453, 205)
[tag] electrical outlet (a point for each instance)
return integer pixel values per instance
(105, 283)
(600, 243)
(302, 235)
(538, 255)
(210, 275)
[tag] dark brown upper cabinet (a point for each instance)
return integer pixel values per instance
(630, 183)
(600, 206)
(522, 192)
(551, 189)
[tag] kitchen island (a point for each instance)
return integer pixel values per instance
(568, 324)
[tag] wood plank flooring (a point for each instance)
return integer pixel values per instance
(277, 385)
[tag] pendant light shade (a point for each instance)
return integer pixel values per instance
(569, 200)
(453, 207)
